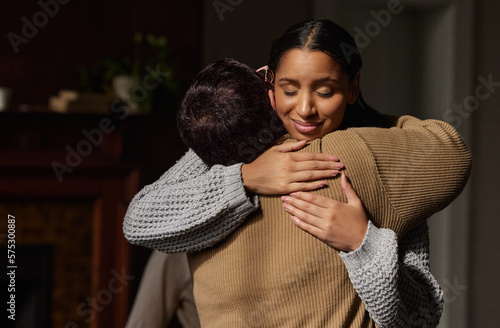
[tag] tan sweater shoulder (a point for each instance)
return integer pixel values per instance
(421, 165)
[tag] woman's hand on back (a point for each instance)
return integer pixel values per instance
(280, 170)
(340, 225)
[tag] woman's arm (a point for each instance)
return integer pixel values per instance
(340, 225)
(423, 166)
(280, 170)
(394, 282)
(398, 290)
(403, 175)
(180, 211)
(193, 206)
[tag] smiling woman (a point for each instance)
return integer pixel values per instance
(317, 81)
(312, 93)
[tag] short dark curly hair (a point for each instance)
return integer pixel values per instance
(226, 115)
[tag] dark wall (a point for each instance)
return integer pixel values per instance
(246, 29)
(41, 45)
(83, 32)
(71, 32)
(485, 269)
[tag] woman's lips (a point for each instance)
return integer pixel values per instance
(305, 127)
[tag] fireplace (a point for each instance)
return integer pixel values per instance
(53, 258)
(73, 269)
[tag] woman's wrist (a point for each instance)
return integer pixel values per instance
(246, 173)
(359, 239)
(377, 241)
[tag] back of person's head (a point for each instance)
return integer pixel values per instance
(226, 115)
(336, 42)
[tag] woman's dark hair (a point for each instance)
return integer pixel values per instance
(226, 115)
(336, 42)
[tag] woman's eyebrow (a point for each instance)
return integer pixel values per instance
(287, 79)
(327, 79)
(323, 79)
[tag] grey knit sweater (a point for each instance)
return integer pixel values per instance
(187, 210)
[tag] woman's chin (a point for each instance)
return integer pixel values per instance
(300, 136)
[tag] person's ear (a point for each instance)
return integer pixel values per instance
(272, 99)
(354, 89)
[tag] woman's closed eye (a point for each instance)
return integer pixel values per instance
(290, 92)
(324, 92)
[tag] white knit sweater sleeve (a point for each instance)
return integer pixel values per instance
(394, 282)
(189, 208)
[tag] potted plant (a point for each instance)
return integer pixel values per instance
(138, 78)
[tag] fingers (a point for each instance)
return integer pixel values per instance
(307, 176)
(305, 186)
(290, 146)
(344, 182)
(300, 208)
(309, 179)
(306, 197)
(305, 216)
(339, 225)
(317, 165)
(352, 196)
(310, 206)
(315, 231)
(306, 156)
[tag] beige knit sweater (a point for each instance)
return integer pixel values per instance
(269, 273)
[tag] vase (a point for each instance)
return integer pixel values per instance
(124, 87)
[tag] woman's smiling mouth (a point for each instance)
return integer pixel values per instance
(305, 127)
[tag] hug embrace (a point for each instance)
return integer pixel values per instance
(326, 227)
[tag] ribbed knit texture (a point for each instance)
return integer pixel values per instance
(423, 166)
(269, 273)
(275, 275)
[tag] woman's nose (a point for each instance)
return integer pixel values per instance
(305, 106)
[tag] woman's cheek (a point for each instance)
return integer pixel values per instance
(284, 105)
(333, 105)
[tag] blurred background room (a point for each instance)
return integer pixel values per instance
(88, 96)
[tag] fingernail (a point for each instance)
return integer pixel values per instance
(339, 165)
(335, 172)
(334, 158)
(286, 206)
(285, 198)
(293, 194)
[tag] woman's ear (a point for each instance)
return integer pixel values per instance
(271, 98)
(354, 89)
